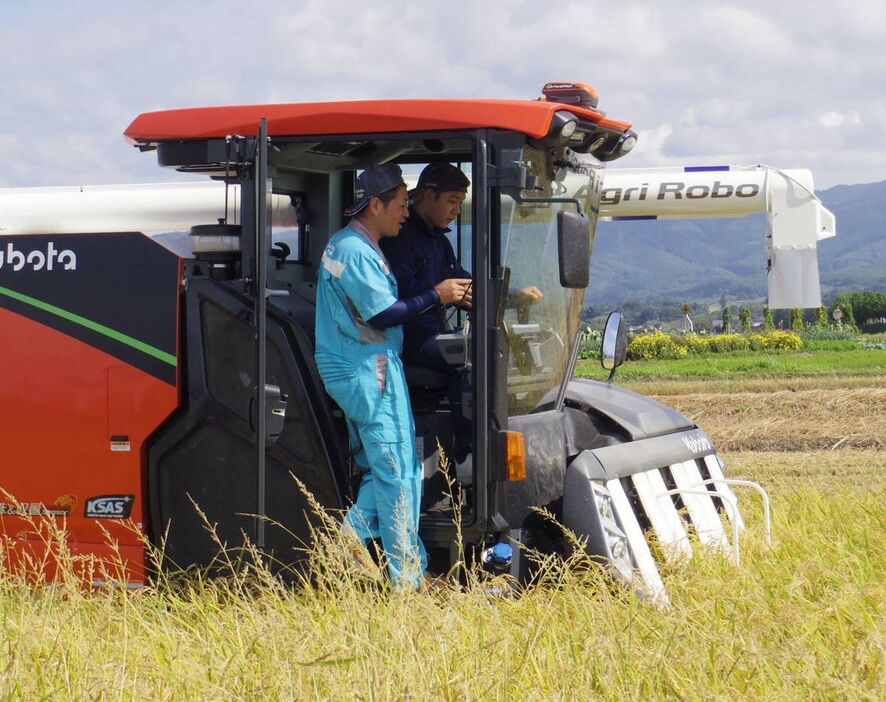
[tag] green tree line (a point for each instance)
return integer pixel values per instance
(866, 306)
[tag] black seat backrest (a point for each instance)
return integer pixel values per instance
(425, 378)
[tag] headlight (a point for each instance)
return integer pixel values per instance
(618, 547)
(628, 143)
(616, 540)
(568, 129)
(596, 144)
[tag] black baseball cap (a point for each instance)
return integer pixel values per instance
(442, 177)
(372, 182)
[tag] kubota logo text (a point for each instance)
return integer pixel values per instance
(47, 259)
(698, 443)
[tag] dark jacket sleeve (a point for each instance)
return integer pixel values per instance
(405, 310)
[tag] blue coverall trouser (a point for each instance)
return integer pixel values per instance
(373, 394)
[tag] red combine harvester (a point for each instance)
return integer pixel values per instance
(144, 376)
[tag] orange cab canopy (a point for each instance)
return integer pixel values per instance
(530, 117)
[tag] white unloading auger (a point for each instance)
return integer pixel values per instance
(144, 207)
(796, 217)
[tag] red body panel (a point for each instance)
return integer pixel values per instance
(532, 118)
(63, 400)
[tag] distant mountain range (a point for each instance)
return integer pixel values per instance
(697, 261)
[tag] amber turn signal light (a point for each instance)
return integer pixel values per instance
(516, 455)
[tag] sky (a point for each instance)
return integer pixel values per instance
(782, 83)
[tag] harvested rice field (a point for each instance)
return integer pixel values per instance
(770, 418)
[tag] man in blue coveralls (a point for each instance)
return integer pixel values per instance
(359, 337)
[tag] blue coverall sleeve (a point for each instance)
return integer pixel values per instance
(367, 286)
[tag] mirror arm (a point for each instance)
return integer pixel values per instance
(570, 370)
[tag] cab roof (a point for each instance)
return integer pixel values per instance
(530, 117)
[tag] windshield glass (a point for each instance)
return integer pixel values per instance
(541, 317)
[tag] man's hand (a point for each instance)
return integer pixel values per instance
(455, 291)
(528, 296)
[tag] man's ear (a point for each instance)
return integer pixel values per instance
(419, 197)
(375, 206)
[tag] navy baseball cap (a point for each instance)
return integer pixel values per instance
(373, 182)
(442, 177)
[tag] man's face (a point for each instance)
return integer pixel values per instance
(440, 209)
(392, 216)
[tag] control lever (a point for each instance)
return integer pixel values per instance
(454, 346)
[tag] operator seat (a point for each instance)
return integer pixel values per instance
(427, 388)
(425, 377)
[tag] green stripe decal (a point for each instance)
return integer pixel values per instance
(89, 324)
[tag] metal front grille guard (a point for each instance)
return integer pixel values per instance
(764, 497)
(654, 499)
(729, 501)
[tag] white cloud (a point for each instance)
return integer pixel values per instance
(785, 83)
(838, 119)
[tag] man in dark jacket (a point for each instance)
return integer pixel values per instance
(420, 258)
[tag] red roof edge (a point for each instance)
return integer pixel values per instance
(531, 117)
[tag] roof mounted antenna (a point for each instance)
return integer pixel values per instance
(229, 139)
(227, 173)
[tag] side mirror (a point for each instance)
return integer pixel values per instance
(574, 249)
(614, 346)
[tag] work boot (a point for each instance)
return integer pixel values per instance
(432, 583)
(361, 562)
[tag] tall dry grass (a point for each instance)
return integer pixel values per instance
(841, 470)
(803, 619)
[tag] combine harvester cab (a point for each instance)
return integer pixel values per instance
(157, 374)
